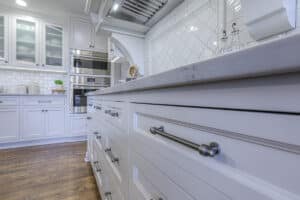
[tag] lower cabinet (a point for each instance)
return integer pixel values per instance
(78, 125)
(42, 122)
(9, 118)
(33, 123)
(55, 122)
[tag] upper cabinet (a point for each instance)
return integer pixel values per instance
(34, 43)
(25, 42)
(84, 37)
(81, 34)
(3, 40)
(53, 51)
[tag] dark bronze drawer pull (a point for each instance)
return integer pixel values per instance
(111, 156)
(210, 150)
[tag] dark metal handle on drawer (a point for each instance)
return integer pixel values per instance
(98, 169)
(210, 150)
(89, 118)
(114, 114)
(1, 101)
(111, 156)
(108, 196)
(107, 111)
(97, 107)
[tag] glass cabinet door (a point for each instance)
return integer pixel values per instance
(2, 37)
(3, 40)
(26, 41)
(53, 46)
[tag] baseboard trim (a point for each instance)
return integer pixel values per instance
(42, 142)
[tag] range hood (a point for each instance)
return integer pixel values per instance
(138, 15)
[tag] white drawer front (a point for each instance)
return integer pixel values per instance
(242, 170)
(116, 155)
(43, 101)
(9, 101)
(115, 113)
(148, 182)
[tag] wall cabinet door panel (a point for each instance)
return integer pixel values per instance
(81, 34)
(9, 122)
(53, 46)
(25, 42)
(3, 39)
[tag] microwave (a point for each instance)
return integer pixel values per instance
(89, 63)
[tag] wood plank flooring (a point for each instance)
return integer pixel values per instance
(48, 172)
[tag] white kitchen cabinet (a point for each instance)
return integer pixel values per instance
(41, 122)
(36, 43)
(78, 125)
(100, 41)
(9, 122)
(55, 122)
(83, 36)
(33, 123)
(53, 46)
(25, 41)
(3, 39)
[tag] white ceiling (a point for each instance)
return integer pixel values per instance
(75, 7)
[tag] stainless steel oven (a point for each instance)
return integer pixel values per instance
(89, 62)
(80, 85)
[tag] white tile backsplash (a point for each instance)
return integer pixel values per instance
(45, 80)
(192, 32)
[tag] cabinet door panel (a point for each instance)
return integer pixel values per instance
(3, 39)
(53, 46)
(33, 123)
(55, 122)
(78, 125)
(82, 33)
(100, 41)
(26, 42)
(9, 122)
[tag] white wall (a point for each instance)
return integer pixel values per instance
(191, 33)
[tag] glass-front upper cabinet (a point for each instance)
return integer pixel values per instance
(53, 48)
(26, 42)
(3, 40)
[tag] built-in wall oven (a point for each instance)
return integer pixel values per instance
(89, 62)
(80, 85)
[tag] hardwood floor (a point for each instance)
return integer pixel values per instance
(48, 172)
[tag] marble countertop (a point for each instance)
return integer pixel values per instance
(276, 57)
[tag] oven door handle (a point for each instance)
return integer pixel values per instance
(90, 58)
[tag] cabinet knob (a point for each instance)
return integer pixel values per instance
(6, 61)
(89, 118)
(43, 65)
(36, 64)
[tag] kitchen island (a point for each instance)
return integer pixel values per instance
(224, 128)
